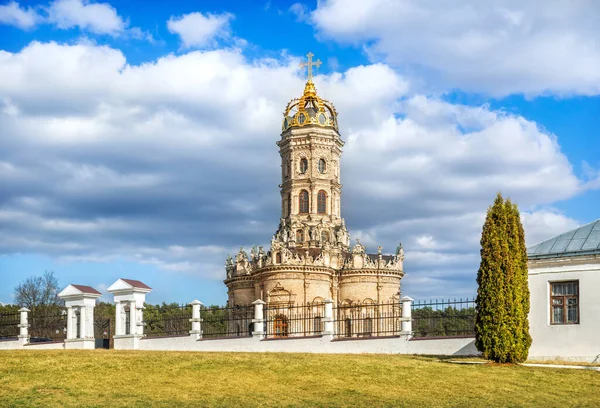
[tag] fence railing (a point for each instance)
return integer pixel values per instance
(233, 321)
(9, 324)
(167, 320)
(367, 320)
(287, 320)
(48, 325)
(443, 318)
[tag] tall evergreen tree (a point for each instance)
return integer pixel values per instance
(519, 286)
(501, 326)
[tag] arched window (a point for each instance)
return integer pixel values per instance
(278, 257)
(322, 166)
(280, 326)
(303, 166)
(368, 326)
(322, 202)
(299, 236)
(289, 205)
(303, 202)
(317, 325)
(348, 327)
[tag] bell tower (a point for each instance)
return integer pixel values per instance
(311, 148)
(309, 259)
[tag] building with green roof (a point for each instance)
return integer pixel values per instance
(564, 282)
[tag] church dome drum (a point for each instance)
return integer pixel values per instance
(310, 109)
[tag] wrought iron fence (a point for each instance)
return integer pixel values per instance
(367, 320)
(48, 324)
(9, 324)
(233, 321)
(287, 320)
(167, 320)
(444, 318)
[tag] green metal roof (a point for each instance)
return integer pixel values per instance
(584, 240)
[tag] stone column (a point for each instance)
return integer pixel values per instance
(24, 326)
(89, 327)
(328, 329)
(132, 318)
(82, 316)
(140, 320)
(406, 316)
(69, 322)
(258, 320)
(196, 320)
(119, 329)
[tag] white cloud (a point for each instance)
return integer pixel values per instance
(173, 162)
(98, 18)
(200, 30)
(300, 11)
(13, 14)
(501, 47)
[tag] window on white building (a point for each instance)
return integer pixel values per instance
(564, 302)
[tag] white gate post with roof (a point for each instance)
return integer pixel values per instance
(196, 320)
(80, 301)
(259, 331)
(23, 326)
(406, 319)
(129, 294)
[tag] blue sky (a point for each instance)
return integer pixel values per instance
(138, 138)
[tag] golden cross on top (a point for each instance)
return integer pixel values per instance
(310, 64)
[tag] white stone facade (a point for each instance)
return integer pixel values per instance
(578, 341)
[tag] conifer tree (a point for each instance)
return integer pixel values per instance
(501, 326)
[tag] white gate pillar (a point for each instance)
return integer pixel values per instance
(23, 326)
(131, 293)
(132, 318)
(119, 331)
(70, 322)
(196, 320)
(406, 319)
(82, 322)
(83, 298)
(328, 319)
(259, 321)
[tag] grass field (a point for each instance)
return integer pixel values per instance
(130, 378)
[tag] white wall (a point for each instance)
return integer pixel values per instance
(10, 344)
(572, 342)
(388, 345)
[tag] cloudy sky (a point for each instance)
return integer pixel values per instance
(137, 139)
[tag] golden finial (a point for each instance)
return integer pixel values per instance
(310, 64)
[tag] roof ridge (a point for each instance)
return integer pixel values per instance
(572, 243)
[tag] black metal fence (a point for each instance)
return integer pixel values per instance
(9, 324)
(167, 320)
(286, 320)
(443, 318)
(233, 321)
(48, 324)
(367, 320)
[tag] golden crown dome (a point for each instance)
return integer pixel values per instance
(310, 109)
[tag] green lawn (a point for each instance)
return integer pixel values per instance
(132, 378)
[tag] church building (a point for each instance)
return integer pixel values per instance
(310, 258)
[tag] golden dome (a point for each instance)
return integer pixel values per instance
(310, 109)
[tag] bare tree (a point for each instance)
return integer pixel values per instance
(38, 291)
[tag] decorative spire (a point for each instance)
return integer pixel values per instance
(310, 64)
